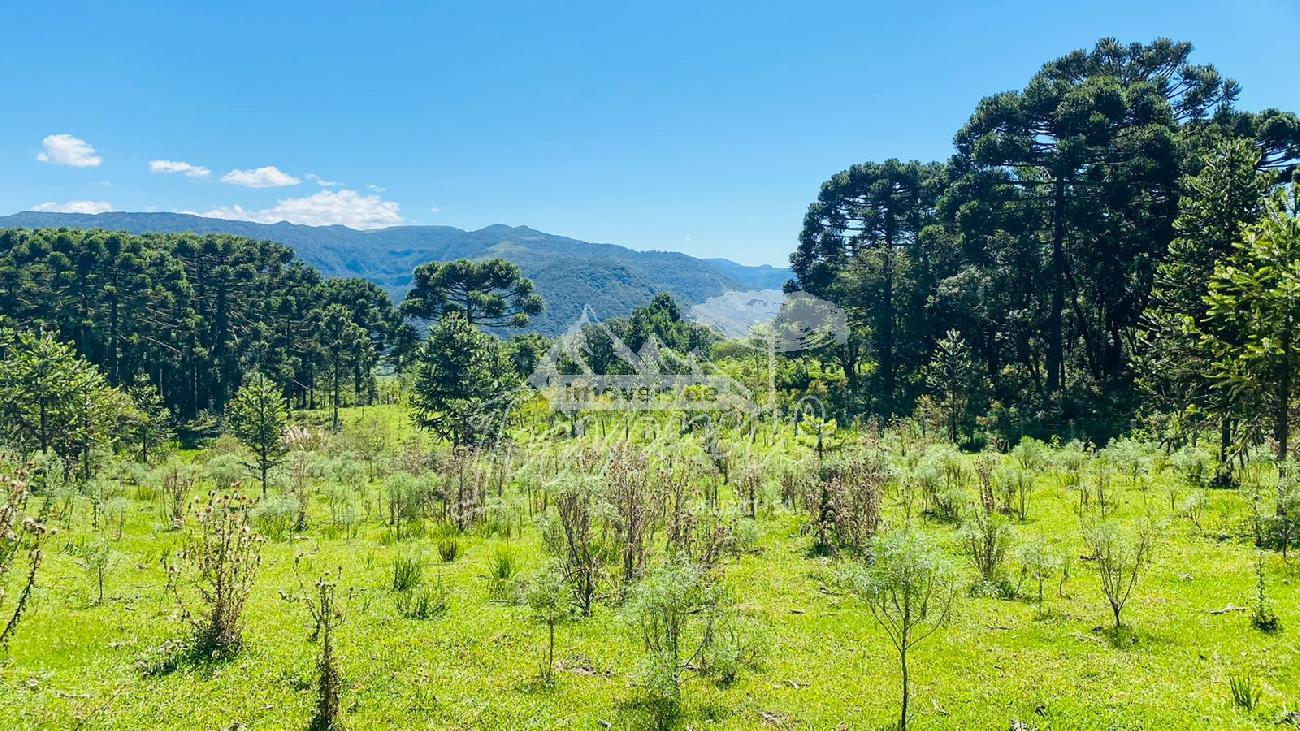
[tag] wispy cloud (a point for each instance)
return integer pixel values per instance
(65, 149)
(91, 207)
(263, 177)
(326, 208)
(322, 182)
(184, 168)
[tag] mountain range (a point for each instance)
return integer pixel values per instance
(568, 273)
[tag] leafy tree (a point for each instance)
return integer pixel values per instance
(1216, 205)
(910, 588)
(345, 345)
(150, 425)
(492, 292)
(952, 375)
(465, 384)
(861, 247)
(1253, 315)
(53, 400)
(257, 418)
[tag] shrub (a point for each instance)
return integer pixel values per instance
(551, 602)
(214, 572)
(986, 538)
(405, 497)
(637, 500)
(669, 608)
(226, 470)
(97, 558)
(176, 482)
(1038, 563)
(116, 511)
(943, 476)
(845, 506)
(1262, 615)
(275, 517)
(1120, 556)
(572, 538)
(910, 589)
(1017, 483)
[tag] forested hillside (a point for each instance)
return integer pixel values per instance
(568, 273)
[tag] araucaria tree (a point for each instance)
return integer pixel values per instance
(52, 400)
(1253, 320)
(257, 418)
(465, 384)
(910, 588)
(492, 293)
(861, 247)
(1177, 364)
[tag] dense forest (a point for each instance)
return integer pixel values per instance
(1060, 249)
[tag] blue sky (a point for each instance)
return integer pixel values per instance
(698, 127)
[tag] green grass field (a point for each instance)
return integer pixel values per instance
(824, 663)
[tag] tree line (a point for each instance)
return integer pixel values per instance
(1037, 281)
(192, 314)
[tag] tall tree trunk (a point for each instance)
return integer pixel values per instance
(1055, 338)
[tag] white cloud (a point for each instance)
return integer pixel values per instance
(91, 207)
(173, 166)
(326, 208)
(68, 150)
(263, 177)
(322, 182)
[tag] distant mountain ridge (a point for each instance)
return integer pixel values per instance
(569, 273)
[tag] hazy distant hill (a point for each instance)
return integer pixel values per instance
(568, 273)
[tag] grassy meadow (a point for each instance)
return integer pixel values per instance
(815, 656)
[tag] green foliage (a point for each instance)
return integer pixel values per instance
(465, 384)
(408, 573)
(257, 417)
(195, 314)
(1121, 554)
(1251, 324)
(489, 292)
(671, 608)
(911, 589)
(1246, 694)
(51, 400)
(274, 517)
(551, 602)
